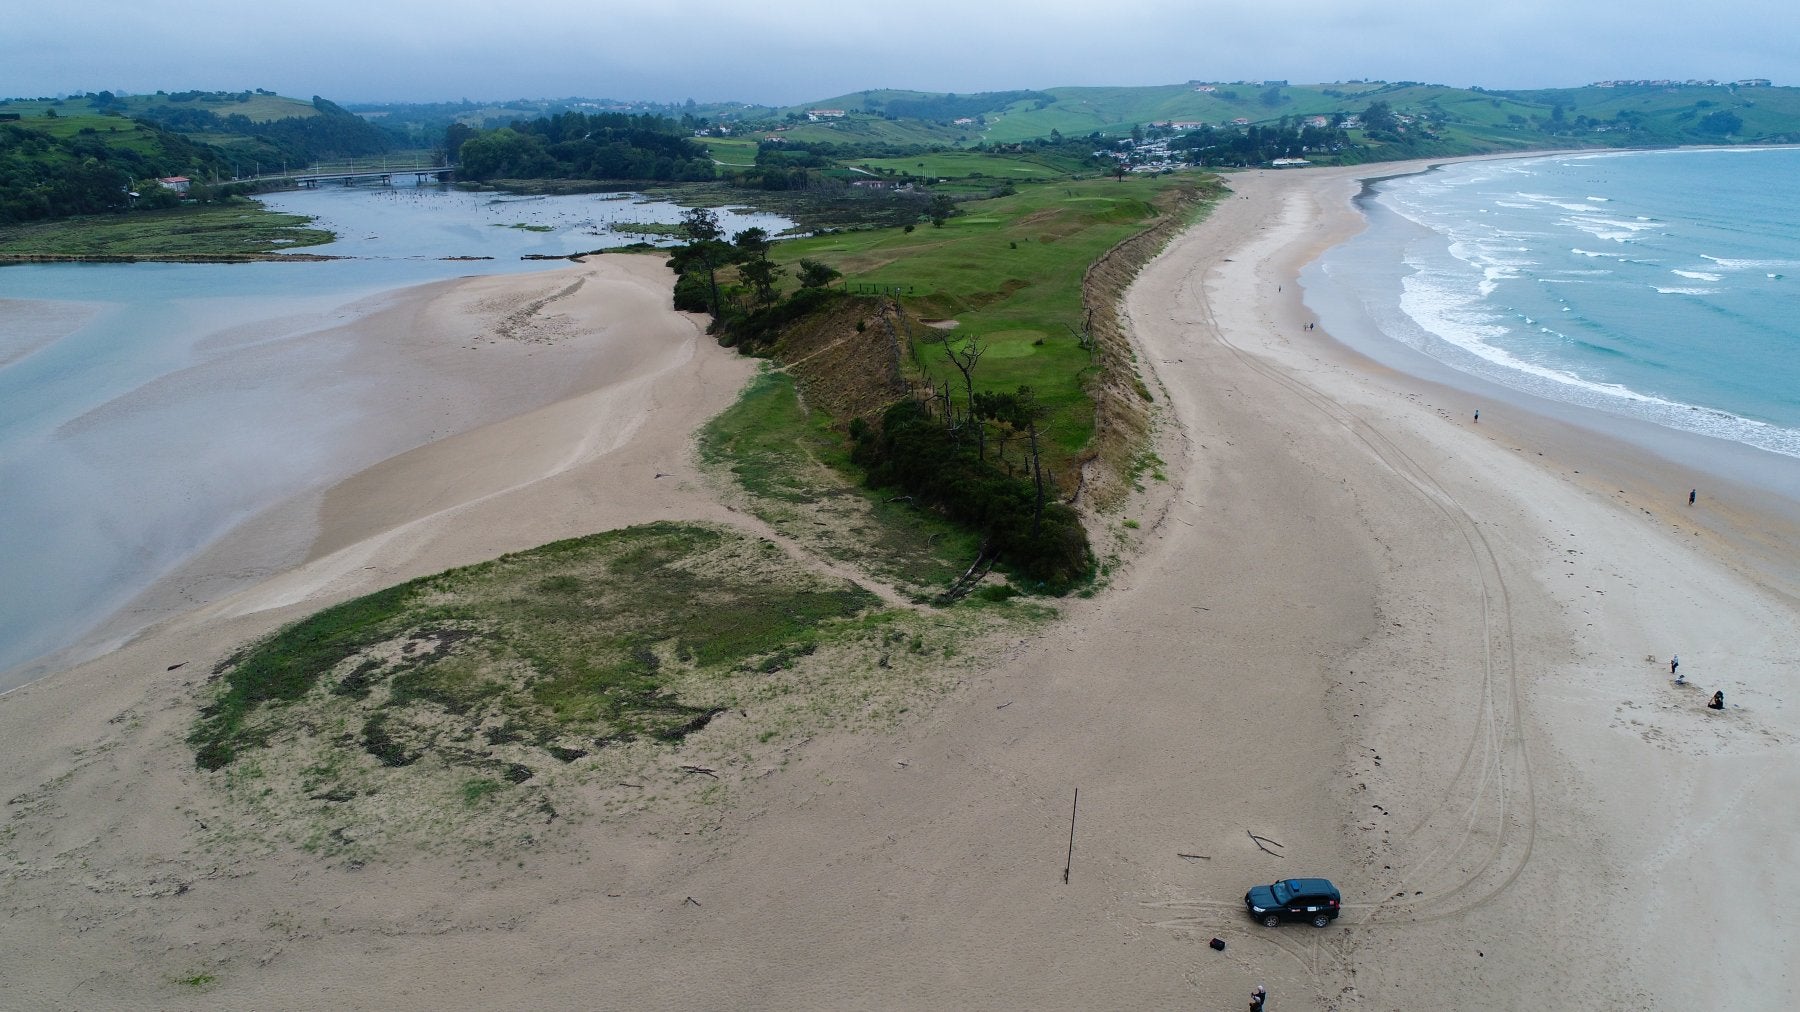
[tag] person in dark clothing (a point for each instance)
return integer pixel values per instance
(1718, 701)
(1674, 662)
(1692, 492)
(1257, 998)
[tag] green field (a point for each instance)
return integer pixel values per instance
(734, 152)
(1008, 271)
(972, 165)
(114, 131)
(257, 108)
(876, 130)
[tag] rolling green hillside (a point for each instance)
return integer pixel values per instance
(257, 106)
(247, 130)
(1458, 119)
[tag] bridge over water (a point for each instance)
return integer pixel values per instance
(385, 176)
(351, 175)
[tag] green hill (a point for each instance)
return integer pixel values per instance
(248, 128)
(1455, 119)
(52, 166)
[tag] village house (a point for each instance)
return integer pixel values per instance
(177, 183)
(815, 115)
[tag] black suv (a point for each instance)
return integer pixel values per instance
(1294, 899)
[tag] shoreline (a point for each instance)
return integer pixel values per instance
(1649, 420)
(1430, 665)
(1577, 503)
(1749, 504)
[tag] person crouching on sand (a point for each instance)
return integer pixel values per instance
(1718, 701)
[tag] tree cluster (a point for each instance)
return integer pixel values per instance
(752, 313)
(980, 464)
(575, 145)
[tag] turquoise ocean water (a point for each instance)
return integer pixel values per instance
(1662, 286)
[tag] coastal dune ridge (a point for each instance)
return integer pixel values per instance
(1428, 657)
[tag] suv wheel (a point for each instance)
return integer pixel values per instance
(1321, 921)
(1271, 921)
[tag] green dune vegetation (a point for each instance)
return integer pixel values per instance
(478, 705)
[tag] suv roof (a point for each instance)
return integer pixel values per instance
(1311, 885)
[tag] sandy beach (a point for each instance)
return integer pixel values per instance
(1424, 657)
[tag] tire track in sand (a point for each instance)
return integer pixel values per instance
(1484, 817)
(1491, 791)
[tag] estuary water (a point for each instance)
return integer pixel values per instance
(1659, 286)
(148, 409)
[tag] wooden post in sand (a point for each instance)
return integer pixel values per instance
(1071, 861)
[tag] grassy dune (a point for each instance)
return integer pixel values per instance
(490, 705)
(585, 637)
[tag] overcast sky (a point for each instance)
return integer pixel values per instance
(782, 52)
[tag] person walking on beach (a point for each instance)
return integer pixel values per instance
(1477, 416)
(1257, 998)
(1692, 492)
(1674, 662)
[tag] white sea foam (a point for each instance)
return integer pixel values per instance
(1431, 301)
(1467, 313)
(1608, 228)
(1731, 264)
